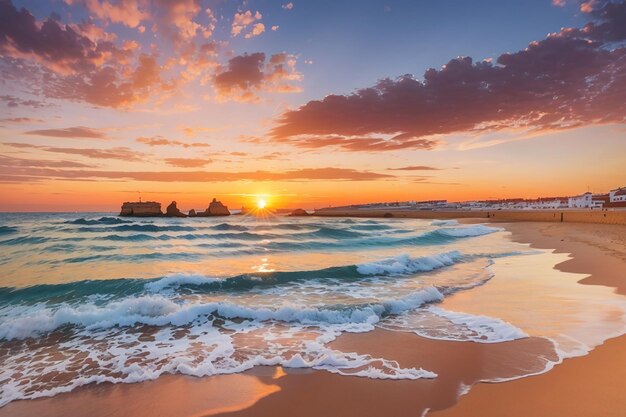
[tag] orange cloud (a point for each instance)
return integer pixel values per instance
(415, 168)
(307, 174)
(187, 162)
(126, 12)
(122, 153)
(257, 29)
(161, 141)
(69, 132)
(242, 20)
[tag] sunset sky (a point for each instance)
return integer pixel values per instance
(308, 103)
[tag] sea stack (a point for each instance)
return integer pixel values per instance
(141, 209)
(173, 211)
(216, 208)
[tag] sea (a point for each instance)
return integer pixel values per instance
(90, 297)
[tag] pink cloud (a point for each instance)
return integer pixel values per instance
(306, 174)
(248, 74)
(70, 132)
(242, 20)
(569, 79)
(126, 12)
(161, 141)
(187, 162)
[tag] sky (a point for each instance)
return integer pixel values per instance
(308, 103)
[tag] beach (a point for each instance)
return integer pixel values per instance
(594, 380)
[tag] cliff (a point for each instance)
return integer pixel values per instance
(141, 209)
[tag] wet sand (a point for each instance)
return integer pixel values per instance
(591, 385)
(586, 386)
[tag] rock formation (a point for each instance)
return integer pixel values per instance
(216, 208)
(152, 209)
(139, 209)
(173, 211)
(299, 212)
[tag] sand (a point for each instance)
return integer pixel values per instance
(586, 386)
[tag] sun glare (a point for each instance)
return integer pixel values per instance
(261, 203)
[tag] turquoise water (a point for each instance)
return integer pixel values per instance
(91, 297)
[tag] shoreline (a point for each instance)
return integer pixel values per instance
(593, 378)
(617, 217)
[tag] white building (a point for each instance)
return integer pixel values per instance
(581, 201)
(617, 195)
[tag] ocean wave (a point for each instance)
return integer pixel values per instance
(468, 231)
(140, 228)
(5, 230)
(25, 240)
(445, 223)
(101, 220)
(157, 310)
(198, 283)
(404, 264)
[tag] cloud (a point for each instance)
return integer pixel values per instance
(161, 141)
(193, 131)
(359, 144)
(13, 101)
(272, 156)
(20, 120)
(415, 168)
(248, 74)
(287, 6)
(257, 29)
(74, 62)
(306, 174)
(121, 153)
(275, 28)
(107, 86)
(187, 162)
(7, 161)
(69, 132)
(569, 79)
(241, 20)
(56, 46)
(126, 12)
(175, 19)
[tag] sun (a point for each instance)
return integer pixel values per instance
(261, 203)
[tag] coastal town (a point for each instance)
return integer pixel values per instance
(614, 199)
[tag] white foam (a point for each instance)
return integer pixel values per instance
(125, 357)
(469, 231)
(445, 223)
(404, 264)
(176, 280)
(481, 328)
